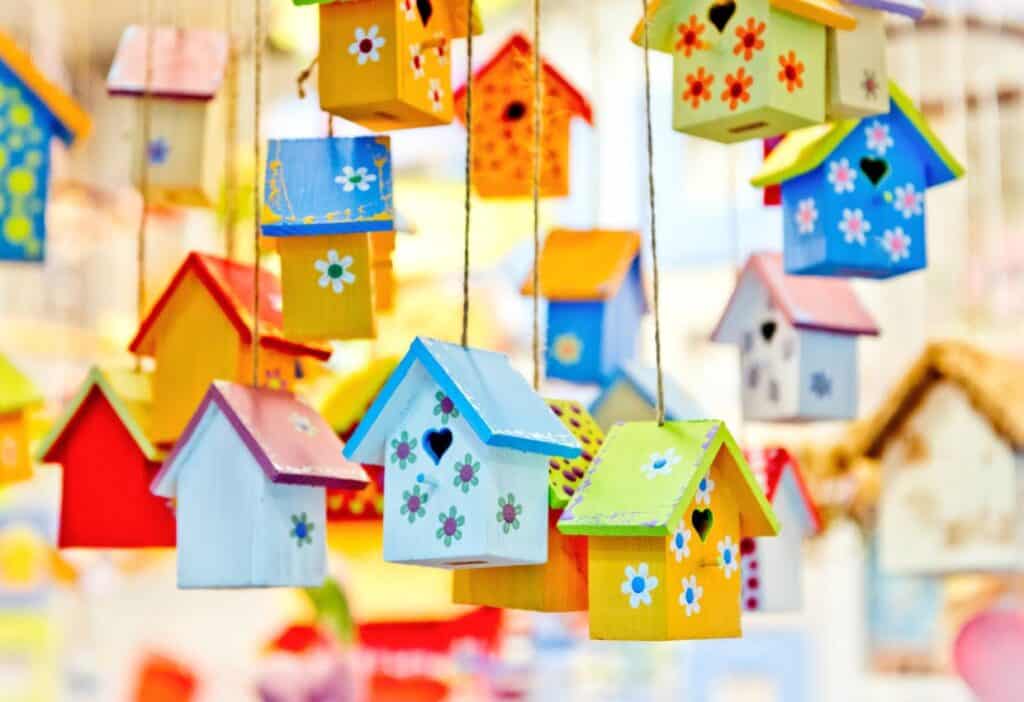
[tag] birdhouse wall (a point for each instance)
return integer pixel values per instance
(858, 76)
(382, 247)
(483, 506)
(183, 168)
(773, 567)
(770, 363)
(575, 340)
(319, 304)
(622, 319)
(383, 67)
(828, 383)
(235, 527)
(622, 403)
(15, 460)
(761, 74)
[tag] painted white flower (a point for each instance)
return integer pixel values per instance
(896, 243)
(660, 463)
(728, 556)
(704, 489)
(878, 137)
(854, 226)
(638, 585)
(689, 598)
(842, 176)
(409, 8)
(416, 62)
(806, 216)
(436, 94)
(907, 201)
(680, 543)
(355, 179)
(366, 44)
(334, 272)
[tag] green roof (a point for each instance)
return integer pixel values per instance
(16, 390)
(617, 498)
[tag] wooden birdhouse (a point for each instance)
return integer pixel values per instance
(465, 443)
(560, 584)
(382, 249)
(858, 74)
(797, 337)
(853, 192)
(211, 299)
(503, 94)
(102, 444)
(664, 509)
(18, 397)
(745, 69)
(248, 476)
(773, 572)
(322, 200)
(596, 299)
(385, 64)
(630, 395)
(33, 111)
(186, 71)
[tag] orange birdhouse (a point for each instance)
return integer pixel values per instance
(503, 120)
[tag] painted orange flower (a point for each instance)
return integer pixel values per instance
(750, 40)
(698, 87)
(736, 88)
(792, 71)
(689, 37)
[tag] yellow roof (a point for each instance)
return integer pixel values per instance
(348, 400)
(17, 391)
(584, 265)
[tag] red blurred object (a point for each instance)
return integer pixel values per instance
(773, 193)
(987, 654)
(366, 504)
(164, 679)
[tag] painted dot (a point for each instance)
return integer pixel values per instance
(689, 596)
(575, 409)
(553, 465)
(17, 229)
(21, 181)
(753, 582)
(752, 565)
(575, 423)
(752, 603)
(584, 438)
(638, 584)
(585, 455)
(21, 115)
(579, 472)
(568, 490)
(556, 410)
(568, 474)
(747, 546)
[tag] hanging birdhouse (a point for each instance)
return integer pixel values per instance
(745, 69)
(186, 71)
(664, 509)
(853, 192)
(102, 444)
(797, 337)
(211, 299)
(631, 395)
(322, 200)
(33, 111)
(384, 64)
(18, 397)
(382, 248)
(503, 141)
(858, 79)
(248, 477)
(465, 443)
(560, 584)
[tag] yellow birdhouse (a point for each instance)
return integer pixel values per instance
(18, 395)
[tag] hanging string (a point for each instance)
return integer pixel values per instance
(257, 76)
(231, 137)
(654, 233)
(330, 126)
(146, 129)
(304, 75)
(538, 97)
(469, 172)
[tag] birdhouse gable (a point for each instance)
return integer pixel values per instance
(184, 63)
(914, 9)
(17, 391)
(566, 474)
(631, 395)
(785, 487)
(586, 265)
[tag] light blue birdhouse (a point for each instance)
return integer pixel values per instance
(631, 393)
(465, 443)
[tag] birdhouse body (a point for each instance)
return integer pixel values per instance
(382, 250)
(32, 112)
(664, 509)
(798, 342)
(465, 444)
(108, 461)
(248, 476)
(631, 395)
(18, 396)
(322, 200)
(853, 193)
(187, 67)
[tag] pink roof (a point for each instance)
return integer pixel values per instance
(769, 465)
(186, 63)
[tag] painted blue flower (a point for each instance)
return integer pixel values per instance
(821, 384)
(728, 556)
(158, 151)
(689, 598)
(638, 585)
(302, 529)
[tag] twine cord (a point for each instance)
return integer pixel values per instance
(469, 172)
(231, 137)
(146, 130)
(538, 98)
(304, 75)
(257, 75)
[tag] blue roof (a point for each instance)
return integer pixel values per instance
(679, 405)
(339, 185)
(495, 399)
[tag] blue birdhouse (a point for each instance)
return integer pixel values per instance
(853, 192)
(595, 294)
(465, 443)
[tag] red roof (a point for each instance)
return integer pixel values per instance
(186, 63)
(519, 44)
(769, 465)
(231, 284)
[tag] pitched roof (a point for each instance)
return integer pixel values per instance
(584, 265)
(494, 398)
(73, 121)
(565, 474)
(616, 499)
(679, 404)
(17, 391)
(231, 285)
(456, 8)
(185, 63)
(292, 444)
(770, 465)
(808, 302)
(307, 190)
(346, 402)
(129, 394)
(914, 9)
(520, 49)
(803, 150)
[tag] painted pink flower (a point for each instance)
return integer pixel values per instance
(842, 176)
(806, 216)
(878, 137)
(854, 227)
(907, 201)
(896, 243)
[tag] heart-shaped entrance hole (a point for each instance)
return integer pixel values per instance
(425, 9)
(720, 14)
(875, 169)
(768, 330)
(514, 111)
(702, 519)
(436, 443)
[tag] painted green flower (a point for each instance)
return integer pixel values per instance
(404, 450)
(445, 408)
(465, 473)
(301, 529)
(508, 512)
(412, 503)
(451, 526)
